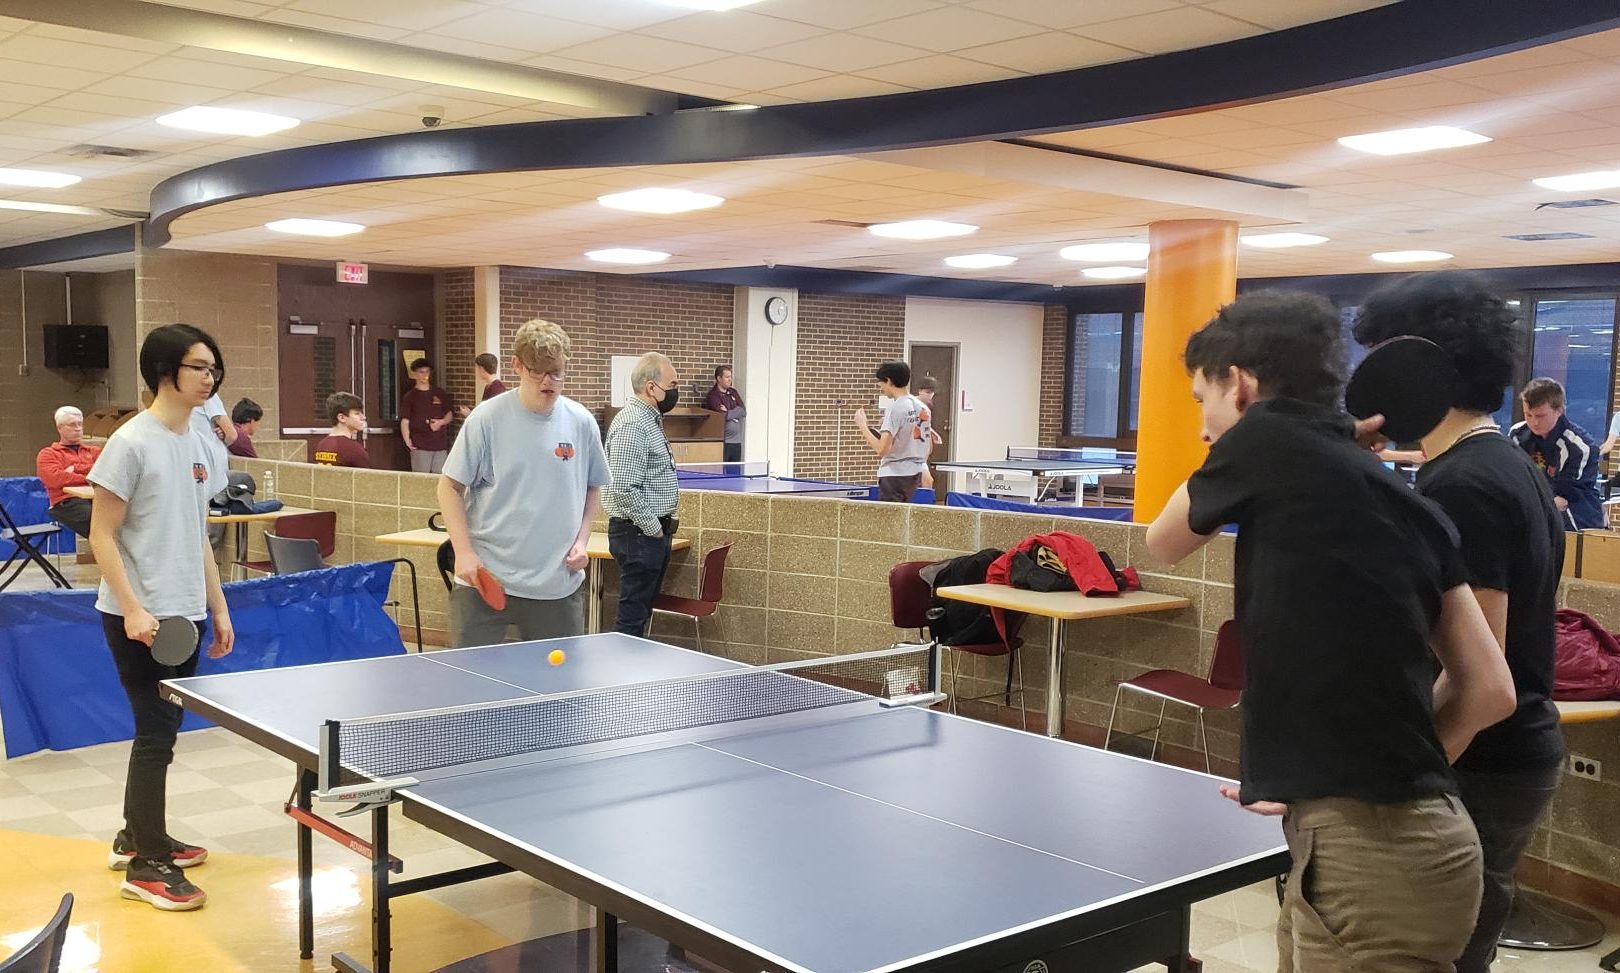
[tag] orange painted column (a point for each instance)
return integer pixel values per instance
(1191, 272)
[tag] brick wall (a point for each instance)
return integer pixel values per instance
(455, 374)
(842, 339)
(1054, 351)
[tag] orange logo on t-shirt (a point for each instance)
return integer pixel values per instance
(564, 451)
(199, 472)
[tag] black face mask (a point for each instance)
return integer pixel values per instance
(671, 396)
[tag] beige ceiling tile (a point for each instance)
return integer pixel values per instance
(586, 69)
(949, 29)
(1415, 97)
(1046, 53)
(748, 73)
(837, 86)
(437, 41)
(371, 30)
(847, 14)
(1170, 30)
(648, 55)
(1282, 14)
(738, 31)
(1068, 15)
(202, 72)
(35, 49)
(402, 15)
(46, 75)
(842, 52)
(1259, 139)
(515, 29)
(700, 89)
(939, 71)
(614, 16)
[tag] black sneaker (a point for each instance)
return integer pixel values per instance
(161, 885)
(183, 855)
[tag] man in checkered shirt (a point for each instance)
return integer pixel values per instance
(640, 502)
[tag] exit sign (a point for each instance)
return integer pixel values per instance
(352, 273)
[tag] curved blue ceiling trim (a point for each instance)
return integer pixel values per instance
(1401, 38)
(79, 246)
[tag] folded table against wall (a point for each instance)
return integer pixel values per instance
(59, 689)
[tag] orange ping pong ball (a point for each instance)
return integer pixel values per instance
(556, 657)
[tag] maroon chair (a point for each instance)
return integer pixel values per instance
(709, 593)
(910, 599)
(1223, 689)
(317, 525)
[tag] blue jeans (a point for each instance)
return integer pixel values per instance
(641, 560)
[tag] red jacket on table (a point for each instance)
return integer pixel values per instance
(60, 467)
(1091, 576)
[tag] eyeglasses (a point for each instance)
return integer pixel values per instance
(218, 373)
(556, 374)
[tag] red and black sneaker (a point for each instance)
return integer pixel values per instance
(161, 885)
(182, 854)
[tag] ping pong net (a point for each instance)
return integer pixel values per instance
(701, 471)
(1084, 454)
(365, 760)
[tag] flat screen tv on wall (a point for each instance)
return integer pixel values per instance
(75, 346)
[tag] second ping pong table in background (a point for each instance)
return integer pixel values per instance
(1032, 474)
(765, 819)
(756, 478)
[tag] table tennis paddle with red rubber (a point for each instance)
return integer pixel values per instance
(1409, 381)
(489, 589)
(175, 641)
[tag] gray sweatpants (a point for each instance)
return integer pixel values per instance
(473, 622)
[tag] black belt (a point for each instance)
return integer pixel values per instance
(668, 522)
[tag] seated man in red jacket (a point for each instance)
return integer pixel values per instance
(64, 464)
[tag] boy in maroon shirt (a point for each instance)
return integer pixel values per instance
(425, 412)
(348, 422)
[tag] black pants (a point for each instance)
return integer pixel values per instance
(898, 489)
(157, 723)
(732, 453)
(74, 514)
(641, 560)
(1505, 808)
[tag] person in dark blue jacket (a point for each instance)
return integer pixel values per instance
(1563, 451)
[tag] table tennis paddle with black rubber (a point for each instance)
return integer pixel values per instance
(1409, 381)
(489, 589)
(175, 641)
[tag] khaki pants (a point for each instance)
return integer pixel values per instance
(1378, 888)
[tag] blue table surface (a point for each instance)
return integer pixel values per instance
(909, 831)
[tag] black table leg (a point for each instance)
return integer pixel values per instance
(381, 932)
(605, 946)
(306, 869)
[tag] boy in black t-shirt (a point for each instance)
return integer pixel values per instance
(1344, 580)
(1512, 555)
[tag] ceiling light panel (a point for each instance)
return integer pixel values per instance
(660, 201)
(1402, 141)
(307, 227)
(921, 229)
(980, 261)
(1104, 252)
(226, 121)
(627, 255)
(1411, 256)
(1281, 241)
(36, 178)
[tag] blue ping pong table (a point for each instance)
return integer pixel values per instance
(1021, 474)
(737, 481)
(843, 834)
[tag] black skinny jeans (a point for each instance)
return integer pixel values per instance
(157, 723)
(642, 561)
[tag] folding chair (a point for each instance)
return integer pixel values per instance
(24, 550)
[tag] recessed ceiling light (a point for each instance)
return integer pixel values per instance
(226, 121)
(303, 227)
(980, 261)
(627, 255)
(33, 207)
(36, 178)
(710, 4)
(1400, 141)
(1279, 241)
(1410, 256)
(1113, 273)
(1581, 181)
(1105, 252)
(921, 229)
(661, 201)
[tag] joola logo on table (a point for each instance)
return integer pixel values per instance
(564, 451)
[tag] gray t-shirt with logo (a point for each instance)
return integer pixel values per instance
(908, 420)
(166, 479)
(526, 476)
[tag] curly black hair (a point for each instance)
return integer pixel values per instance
(1289, 340)
(1459, 313)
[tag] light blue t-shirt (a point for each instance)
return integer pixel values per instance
(166, 479)
(907, 419)
(526, 476)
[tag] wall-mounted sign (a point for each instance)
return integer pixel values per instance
(412, 333)
(303, 329)
(348, 273)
